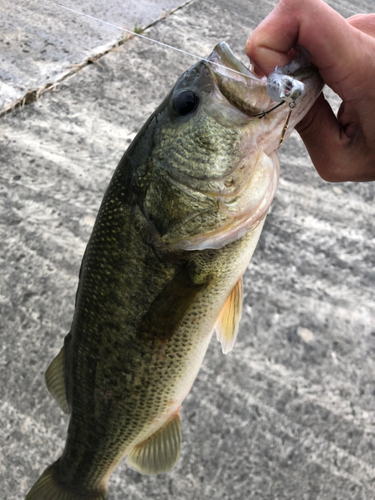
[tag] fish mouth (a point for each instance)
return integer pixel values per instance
(248, 91)
(240, 86)
(228, 64)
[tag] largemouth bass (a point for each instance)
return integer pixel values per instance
(163, 268)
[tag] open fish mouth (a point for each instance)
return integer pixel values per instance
(237, 83)
(226, 63)
(248, 91)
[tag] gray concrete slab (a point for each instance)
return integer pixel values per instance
(40, 42)
(289, 414)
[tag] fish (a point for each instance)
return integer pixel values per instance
(163, 270)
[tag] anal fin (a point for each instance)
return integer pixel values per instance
(55, 380)
(227, 324)
(159, 452)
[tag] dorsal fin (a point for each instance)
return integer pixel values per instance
(227, 324)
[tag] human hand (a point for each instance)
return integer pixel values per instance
(342, 148)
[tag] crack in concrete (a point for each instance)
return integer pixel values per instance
(33, 95)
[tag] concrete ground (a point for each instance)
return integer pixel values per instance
(42, 43)
(289, 413)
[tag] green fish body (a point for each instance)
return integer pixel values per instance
(163, 268)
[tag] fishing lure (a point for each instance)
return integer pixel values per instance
(283, 88)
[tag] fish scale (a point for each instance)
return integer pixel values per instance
(168, 383)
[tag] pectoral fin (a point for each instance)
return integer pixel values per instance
(55, 380)
(227, 324)
(160, 452)
(170, 307)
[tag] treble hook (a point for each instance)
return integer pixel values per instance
(285, 128)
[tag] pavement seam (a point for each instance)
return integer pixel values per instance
(34, 95)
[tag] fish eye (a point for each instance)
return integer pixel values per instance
(185, 102)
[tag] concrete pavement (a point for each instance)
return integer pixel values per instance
(41, 43)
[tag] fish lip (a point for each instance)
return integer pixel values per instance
(224, 58)
(238, 84)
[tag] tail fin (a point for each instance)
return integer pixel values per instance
(47, 488)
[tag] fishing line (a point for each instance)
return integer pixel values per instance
(277, 77)
(264, 113)
(145, 37)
